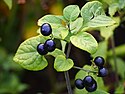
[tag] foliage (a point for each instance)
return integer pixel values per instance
(75, 26)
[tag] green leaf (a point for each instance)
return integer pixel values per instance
(62, 64)
(100, 21)
(91, 10)
(59, 30)
(9, 3)
(102, 50)
(27, 55)
(113, 8)
(56, 52)
(84, 41)
(76, 25)
(71, 12)
(120, 66)
(106, 32)
(51, 19)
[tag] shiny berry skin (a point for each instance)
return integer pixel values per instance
(88, 81)
(46, 29)
(99, 61)
(41, 49)
(50, 45)
(102, 72)
(79, 84)
(91, 88)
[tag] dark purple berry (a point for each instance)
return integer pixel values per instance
(102, 72)
(88, 81)
(46, 29)
(41, 49)
(99, 61)
(50, 45)
(79, 84)
(91, 88)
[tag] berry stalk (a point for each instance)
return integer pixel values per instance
(89, 71)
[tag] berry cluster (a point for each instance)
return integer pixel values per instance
(49, 44)
(99, 61)
(88, 82)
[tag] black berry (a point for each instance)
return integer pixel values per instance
(88, 81)
(79, 84)
(99, 61)
(102, 72)
(50, 45)
(46, 29)
(91, 88)
(41, 49)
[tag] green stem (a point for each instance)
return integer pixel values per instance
(114, 57)
(68, 84)
(89, 71)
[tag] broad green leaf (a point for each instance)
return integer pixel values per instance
(62, 64)
(71, 12)
(76, 25)
(120, 66)
(100, 21)
(9, 3)
(51, 19)
(81, 74)
(102, 50)
(91, 10)
(106, 32)
(84, 41)
(60, 32)
(56, 52)
(27, 55)
(62, 18)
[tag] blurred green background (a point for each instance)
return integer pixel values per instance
(20, 23)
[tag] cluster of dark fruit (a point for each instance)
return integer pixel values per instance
(88, 82)
(49, 44)
(99, 61)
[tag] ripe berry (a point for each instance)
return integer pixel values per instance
(50, 45)
(46, 29)
(41, 49)
(79, 84)
(88, 81)
(99, 61)
(102, 72)
(91, 88)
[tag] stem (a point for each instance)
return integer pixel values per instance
(67, 74)
(84, 69)
(114, 57)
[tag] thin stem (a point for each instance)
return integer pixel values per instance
(84, 69)
(114, 57)
(67, 74)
